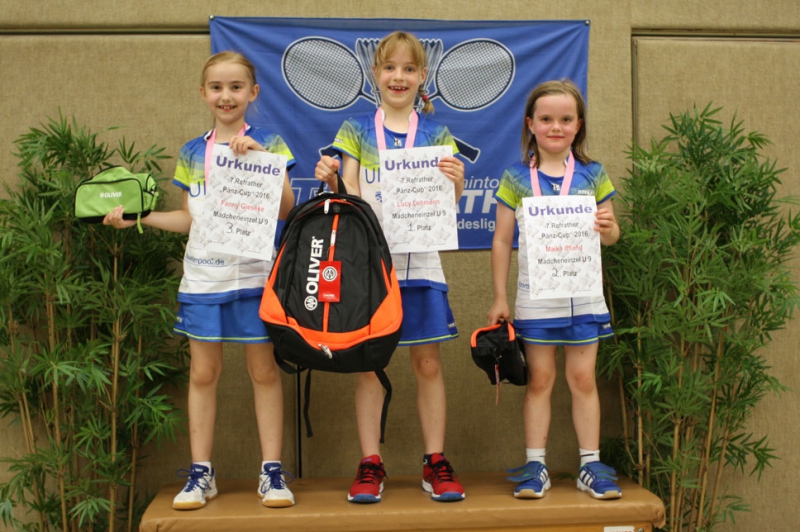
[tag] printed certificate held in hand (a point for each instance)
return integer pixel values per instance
(243, 197)
(418, 201)
(563, 247)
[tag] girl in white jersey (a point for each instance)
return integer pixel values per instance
(555, 162)
(399, 65)
(220, 294)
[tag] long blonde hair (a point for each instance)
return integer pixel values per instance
(390, 44)
(551, 88)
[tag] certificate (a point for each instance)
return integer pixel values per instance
(563, 247)
(243, 197)
(418, 201)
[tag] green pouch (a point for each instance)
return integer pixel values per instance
(97, 196)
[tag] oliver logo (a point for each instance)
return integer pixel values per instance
(312, 280)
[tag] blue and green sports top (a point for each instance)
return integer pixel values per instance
(213, 277)
(357, 139)
(515, 184)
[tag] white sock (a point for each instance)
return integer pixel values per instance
(535, 455)
(589, 456)
(206, 464)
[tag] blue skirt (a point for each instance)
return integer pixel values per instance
(235, 321)
(576, 334)
(427, 317)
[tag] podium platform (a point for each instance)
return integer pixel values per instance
(489, 507)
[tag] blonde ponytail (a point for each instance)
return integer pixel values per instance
(427, 104)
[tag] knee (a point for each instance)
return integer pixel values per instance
(265, 374)
(541, 382)
(205, 375)
(583, 383)
(428, 367)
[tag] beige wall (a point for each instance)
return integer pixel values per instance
(137, 64)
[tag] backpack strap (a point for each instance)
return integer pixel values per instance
(307, 401)
(285, 366)
(386, 399)
(382, 377)
(340, 181)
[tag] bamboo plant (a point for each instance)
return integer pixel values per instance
(85, 339)
(697, 284)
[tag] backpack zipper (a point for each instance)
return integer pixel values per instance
(327, 351)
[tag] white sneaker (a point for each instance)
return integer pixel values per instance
(272, 487)
(200, 487)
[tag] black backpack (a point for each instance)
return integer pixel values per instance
(333, 240)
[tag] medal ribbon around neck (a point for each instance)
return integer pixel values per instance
(413, 120)
(210, 146)
(565, 184)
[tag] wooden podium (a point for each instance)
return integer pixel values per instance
(489, 507)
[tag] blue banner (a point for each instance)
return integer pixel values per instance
(315, 73)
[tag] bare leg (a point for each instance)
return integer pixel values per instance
(426, 361)
(537, 409)
(369, 402)
(268, 396)
(205, 368)
(580, 370)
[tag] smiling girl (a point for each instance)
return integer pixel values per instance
(220, 294)
(553, 155)
(399, 65)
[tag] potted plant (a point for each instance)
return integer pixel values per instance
(697, 284)
(86, 314)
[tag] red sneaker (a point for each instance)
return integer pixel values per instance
(440, 481)
(368, 485)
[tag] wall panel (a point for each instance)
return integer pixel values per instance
(147, 84)
(768, 16)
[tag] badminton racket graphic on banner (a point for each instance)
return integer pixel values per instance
(474, 74)
(324, 73)
(365, 52)
(433, 54)
(327, 75)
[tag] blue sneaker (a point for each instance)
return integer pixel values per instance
(272, 486)
(533, 480)
(200, 487)
(599, 480)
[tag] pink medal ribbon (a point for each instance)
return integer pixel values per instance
(380, 134)
(565, 184)
(210, 146)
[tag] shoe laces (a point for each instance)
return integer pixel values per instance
(442, 470)
(369, 473)
(275, 479)
(196, 478)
